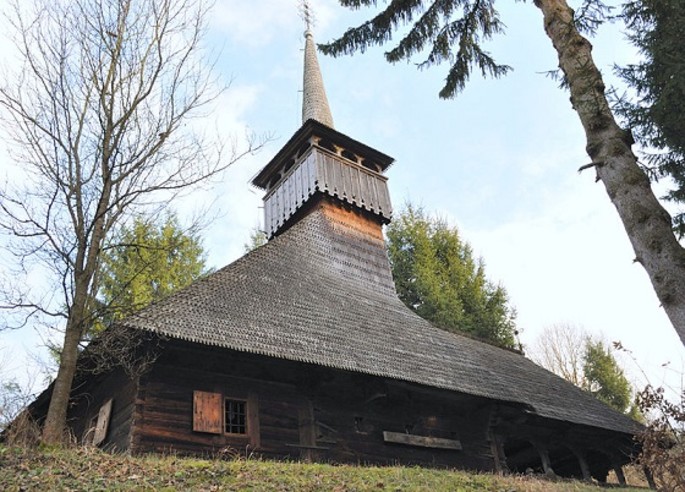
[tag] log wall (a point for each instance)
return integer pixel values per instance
(306, 412)
(90, 396)
(301, 411)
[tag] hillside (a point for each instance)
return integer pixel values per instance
(82, 469)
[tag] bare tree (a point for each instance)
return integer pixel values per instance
(560, 348)
(99, 117)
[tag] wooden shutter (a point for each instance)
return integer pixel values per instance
(102, 423)
(207, 412)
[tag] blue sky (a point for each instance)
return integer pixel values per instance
(499, 162)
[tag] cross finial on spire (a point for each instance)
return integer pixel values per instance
(307, 14)
(314, 101)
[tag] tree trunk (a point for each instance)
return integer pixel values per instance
(646, 222)
(54, 430)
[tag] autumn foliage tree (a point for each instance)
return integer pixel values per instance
(99, 119)
(437, 276)
(663, 440)
(453, 32)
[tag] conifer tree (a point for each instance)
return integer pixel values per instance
(604, 378)
(257, 238)
(657, 113)
(581, 359)
(148, 262)
(437, 276)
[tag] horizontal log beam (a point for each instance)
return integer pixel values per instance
(422, 441)
(307, 446)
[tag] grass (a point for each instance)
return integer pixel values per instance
(83, 469)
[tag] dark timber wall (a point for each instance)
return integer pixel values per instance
(88, 398)
(303, 411)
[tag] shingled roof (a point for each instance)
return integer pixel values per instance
(310, 295)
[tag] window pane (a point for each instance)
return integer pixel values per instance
(235, 418)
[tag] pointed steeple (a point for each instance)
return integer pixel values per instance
(314, 100)
(320, 170)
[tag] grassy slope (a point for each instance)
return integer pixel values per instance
(91, 470)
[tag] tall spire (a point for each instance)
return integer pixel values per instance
(314, 100)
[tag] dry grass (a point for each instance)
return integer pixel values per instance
(83, 469)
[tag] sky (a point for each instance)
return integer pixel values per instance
(499, 162)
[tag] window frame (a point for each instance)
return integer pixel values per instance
(244, 403)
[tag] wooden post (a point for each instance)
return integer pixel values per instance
(496, 447)
(650, 477)
(544, 458)
(307, 425)
(102, 423)
(584, 468)
(619, 474)
(498, 454)
(253, 421)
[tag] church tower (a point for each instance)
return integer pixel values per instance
(322, 170)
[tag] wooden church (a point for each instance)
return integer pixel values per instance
(301, 349)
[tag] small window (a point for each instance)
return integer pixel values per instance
(235, 416)
(349, 155)
(303, 148)
(327, 144)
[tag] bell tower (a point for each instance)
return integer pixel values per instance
(320, 168)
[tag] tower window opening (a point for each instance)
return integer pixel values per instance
(327, 144)
(371, 165)
(349, 155)
(274, 180)
(303, 148)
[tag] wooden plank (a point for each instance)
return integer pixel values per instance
(253, 420)
(304, 446)
(102, 423)
(307, 427)
(207, 412)
(421, 441)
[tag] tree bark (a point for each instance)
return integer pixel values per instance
(54, 430)
(646, 222)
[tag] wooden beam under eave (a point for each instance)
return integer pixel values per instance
(650, 477)
(619, 474)
(582, 462)
(543, 452)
